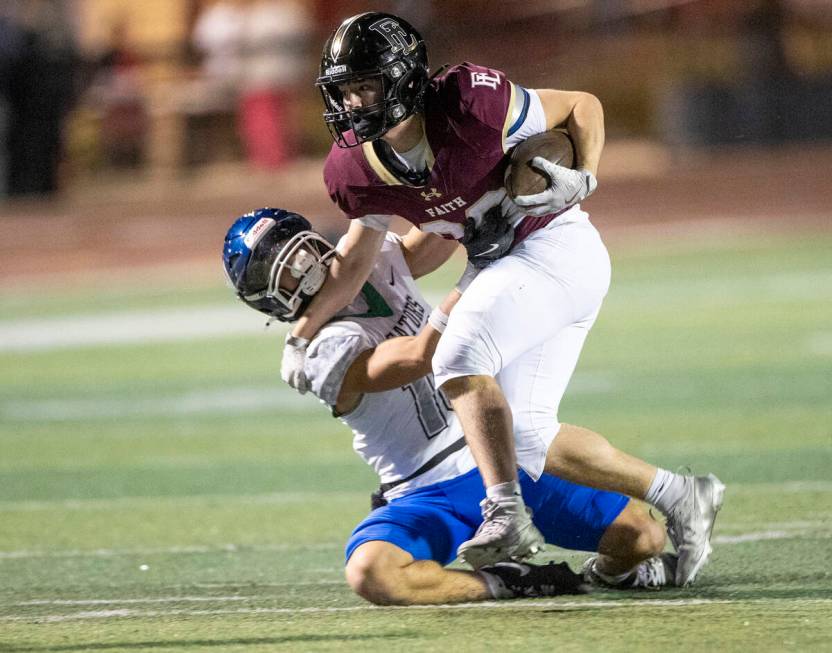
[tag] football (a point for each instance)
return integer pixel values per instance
(554, 145)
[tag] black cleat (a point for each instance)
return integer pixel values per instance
(516, 580)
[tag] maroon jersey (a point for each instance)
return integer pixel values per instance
(467, 115)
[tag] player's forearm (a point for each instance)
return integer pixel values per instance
(399, 361)
(586, 127)
(425, 252)
(346, 277)
(402, 360)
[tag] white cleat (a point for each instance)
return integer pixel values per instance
(651, 574)
(690, 524)
(506, 533)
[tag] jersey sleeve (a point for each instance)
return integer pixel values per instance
(376, 222)
(330, 355)
(527, 117)
(480, 102)
(348, 186)
(338, 185)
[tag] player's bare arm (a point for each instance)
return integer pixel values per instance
(393, 363)
(583, 117)
(425, 252)
(347, 274)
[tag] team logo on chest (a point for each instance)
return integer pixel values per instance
(447, 207)
(433, 194)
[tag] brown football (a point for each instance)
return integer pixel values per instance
(554, 145)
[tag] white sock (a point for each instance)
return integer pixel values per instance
(666, 490)
(503, 492)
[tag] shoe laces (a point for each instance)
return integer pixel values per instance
(651, 573)
(677, 527)
(495, 518)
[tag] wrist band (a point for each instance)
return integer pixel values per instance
(294, 341)
(438, 320)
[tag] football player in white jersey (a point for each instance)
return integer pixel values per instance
(371, 366)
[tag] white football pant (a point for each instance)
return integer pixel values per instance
(524, 320)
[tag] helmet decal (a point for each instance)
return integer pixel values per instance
(255, 234)
(399, 40)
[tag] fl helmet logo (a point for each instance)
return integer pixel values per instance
(394, 34)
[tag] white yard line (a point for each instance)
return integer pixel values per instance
(163, 599)
(485, 605)
(761, 536)
(170, 550)
(131, 327)
(232, 318)
(785, 486)
(225, 400)
(139, 327)
(802, 529)
(121, 503)
(206, 402)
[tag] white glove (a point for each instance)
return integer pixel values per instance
(566, 187)
(291, 367)
(468, 275)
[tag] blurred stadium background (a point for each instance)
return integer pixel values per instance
(130, 124)
(159, 488)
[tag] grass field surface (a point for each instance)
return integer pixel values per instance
(163, 491)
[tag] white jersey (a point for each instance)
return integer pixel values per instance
(400, 431)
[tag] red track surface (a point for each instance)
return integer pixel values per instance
(118, 225)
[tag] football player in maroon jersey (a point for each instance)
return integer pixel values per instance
(433, 150)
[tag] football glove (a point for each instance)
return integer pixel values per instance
(294, 358)
(566, 187)
(491, 239)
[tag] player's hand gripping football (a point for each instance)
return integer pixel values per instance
(291, 367)
(566, 187)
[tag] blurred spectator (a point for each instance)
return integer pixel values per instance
(210, 101)
(117, 92)
(218, 37)
(766, 80)
(40, 91)
(11, 55)
(274, 64)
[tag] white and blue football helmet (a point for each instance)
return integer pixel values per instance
(260, 246)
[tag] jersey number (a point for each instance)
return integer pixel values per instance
(431, 406)
(476, 211)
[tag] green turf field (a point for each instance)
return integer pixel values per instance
(172, 496)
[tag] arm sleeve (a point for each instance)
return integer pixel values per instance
(378, 222)
(527, 117)
(330, 356)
